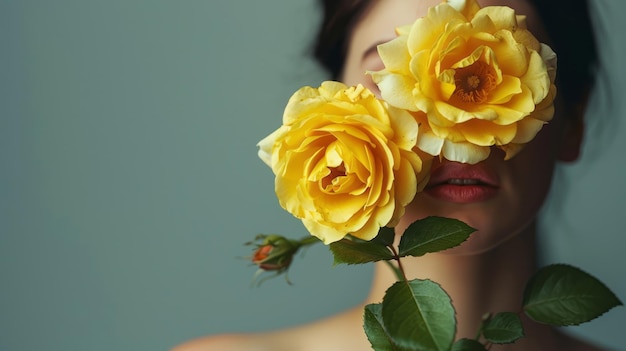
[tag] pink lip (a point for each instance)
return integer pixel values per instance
(462, 183)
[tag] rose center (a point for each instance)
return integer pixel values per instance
(474, 82)
(332, 181)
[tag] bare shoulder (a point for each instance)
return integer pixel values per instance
(230, 342)
(337, 333)
(217, 342)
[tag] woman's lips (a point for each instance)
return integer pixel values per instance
(462, 183)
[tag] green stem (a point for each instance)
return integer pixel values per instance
(309, 240)
(399, 270)
(396, 270)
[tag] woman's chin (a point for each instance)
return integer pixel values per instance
(493, 229)
(478, 243)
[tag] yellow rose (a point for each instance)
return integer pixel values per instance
(473, 77)
(343, 161)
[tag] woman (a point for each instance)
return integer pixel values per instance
(499, 198)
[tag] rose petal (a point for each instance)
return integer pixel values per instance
(430, 143)
(537, 78)
(395, 55)
(464, 152)
(502, 16)
(527, 129)
(396, 90)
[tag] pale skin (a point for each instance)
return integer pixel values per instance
(485, 274)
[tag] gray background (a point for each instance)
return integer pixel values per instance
(129, 177)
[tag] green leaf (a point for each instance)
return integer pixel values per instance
(433, 234)
(374, 329)
(564, 295)
(468, 345)
(418, 315)
(385, 236)
(503, 328)
(358, 251)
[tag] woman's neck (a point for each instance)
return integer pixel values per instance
(492, 281)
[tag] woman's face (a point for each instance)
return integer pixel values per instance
(499, 198)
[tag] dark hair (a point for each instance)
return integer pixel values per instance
(567, 23)
(331, 43)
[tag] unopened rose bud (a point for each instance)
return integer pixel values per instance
(275, 253)
(266, 261)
